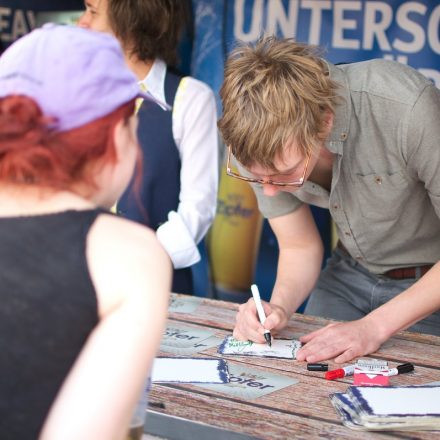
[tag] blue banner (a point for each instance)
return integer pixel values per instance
(208, 46)
(349, 30)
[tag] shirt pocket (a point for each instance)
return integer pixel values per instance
(382, 196)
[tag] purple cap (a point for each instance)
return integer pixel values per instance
(75, 75)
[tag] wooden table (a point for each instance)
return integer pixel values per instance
(302, 410)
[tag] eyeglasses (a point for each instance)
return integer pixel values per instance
(296, 184)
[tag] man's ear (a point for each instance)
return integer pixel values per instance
(327, 123)
(328, 119)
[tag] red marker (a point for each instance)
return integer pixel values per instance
(340, 372)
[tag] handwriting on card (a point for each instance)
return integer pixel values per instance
(281, 348)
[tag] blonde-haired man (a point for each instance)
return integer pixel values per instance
(363, 140)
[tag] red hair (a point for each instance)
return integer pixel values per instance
(33, 153)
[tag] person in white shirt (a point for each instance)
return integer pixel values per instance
(178, 192)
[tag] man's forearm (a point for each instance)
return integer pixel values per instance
(298, 270)
(412, 305)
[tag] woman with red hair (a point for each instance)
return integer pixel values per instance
(83, 293)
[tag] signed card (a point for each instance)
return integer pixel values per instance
(247, 383)
(189, 370)
(281, 348)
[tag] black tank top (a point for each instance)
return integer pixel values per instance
(48, 308)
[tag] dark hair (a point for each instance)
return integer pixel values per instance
(149, 29)
(32, 153)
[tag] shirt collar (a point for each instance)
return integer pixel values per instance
(341, 119)
(154, 82)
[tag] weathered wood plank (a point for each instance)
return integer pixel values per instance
(214, 312)
(311, 384)
(396, 351)
(302, 410)
(404, 347)
(257, 420)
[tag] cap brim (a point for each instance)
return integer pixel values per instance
(149, 97)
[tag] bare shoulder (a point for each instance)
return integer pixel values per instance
(125, 260)
(112, 232)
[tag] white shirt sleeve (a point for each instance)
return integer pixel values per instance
(196, 137)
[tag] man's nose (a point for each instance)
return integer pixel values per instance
(270, 190)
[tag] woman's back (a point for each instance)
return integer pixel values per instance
(48, 309)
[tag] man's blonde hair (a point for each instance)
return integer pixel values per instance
(274, 92)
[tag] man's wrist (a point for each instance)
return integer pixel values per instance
(285, 302)
(380, 325)
(279, 306)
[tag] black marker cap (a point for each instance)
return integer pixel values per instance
(405, 368)
(317, 367)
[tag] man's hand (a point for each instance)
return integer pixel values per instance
(342, 341)
(248, 327)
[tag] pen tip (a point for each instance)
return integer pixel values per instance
(268, 338)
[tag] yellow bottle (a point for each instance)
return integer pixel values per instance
(234, 239)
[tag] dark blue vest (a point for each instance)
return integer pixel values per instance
(155, 193)
(159, 187)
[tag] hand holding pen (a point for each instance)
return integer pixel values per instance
(260, 311)
(248, 325)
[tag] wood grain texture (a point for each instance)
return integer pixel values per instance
(302, 410)
(421, 349)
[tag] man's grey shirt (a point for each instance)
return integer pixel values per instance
(385, 190)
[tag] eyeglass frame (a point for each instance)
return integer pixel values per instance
(297, 184)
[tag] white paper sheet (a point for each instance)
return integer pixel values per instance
(412, 408)
(190, 370)
(399, 401)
